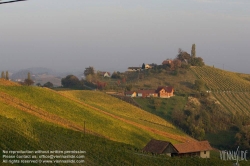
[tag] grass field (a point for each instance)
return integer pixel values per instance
(126, 112)
(166, 106)
(118, 121)
(22, 131)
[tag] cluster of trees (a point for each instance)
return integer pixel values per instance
(242, 124)
(5, 75)
(28, 81)
(91, 80)
(201, 115)
(183, 60)
(190, 59)
(47, 84)
(206, 116)
(101, 85)
(71, 81)
(116, 75)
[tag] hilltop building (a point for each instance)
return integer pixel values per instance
(165, 92)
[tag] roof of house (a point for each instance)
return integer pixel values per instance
(156, 146)
(107, 73)
(168, 89)
(193, 146)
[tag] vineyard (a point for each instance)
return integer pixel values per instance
(221, 80)
(232, 90)
(234, 102)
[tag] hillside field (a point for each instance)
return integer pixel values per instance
(110, 130)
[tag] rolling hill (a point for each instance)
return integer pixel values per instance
(66, 110)
(110, 130)
(222, 107)
(34, 118)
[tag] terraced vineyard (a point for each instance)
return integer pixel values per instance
(231, 89)
(234, 102)
(221, 80)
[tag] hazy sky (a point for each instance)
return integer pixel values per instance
(70, 35)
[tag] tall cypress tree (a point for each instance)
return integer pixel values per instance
(2, 75)
(7, 75)
(143, 66)
(29, 76)
(193, 51)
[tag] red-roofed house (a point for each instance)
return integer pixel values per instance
(165, 91)
(147, 93)
(194, 148)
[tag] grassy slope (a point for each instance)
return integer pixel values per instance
(182, 82)
(23, 131)
(166, 105)
(120, 127)
(126, 112)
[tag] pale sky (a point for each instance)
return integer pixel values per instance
(69, 35)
